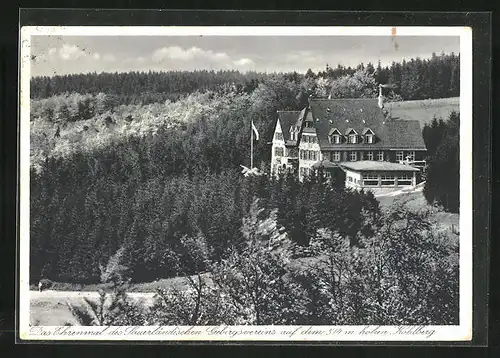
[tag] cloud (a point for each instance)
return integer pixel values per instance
(96, 56)
(193, 53)
(244, 62)
(70, 52)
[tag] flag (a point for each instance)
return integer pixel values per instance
(255, 131)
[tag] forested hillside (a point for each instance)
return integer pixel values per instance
(134, 174)
(145, 163)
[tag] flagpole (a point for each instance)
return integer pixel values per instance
(251, 147)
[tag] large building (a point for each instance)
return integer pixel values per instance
(333, 132)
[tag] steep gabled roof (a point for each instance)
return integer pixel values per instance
(288, 119)
(359, 114)
(333, 130)
(301, 115)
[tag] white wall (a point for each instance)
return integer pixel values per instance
(277, 143)
(304, 163)
(355, 177)
(358, 177)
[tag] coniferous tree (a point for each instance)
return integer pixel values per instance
(443, 177)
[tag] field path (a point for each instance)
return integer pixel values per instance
(50, 307)
(416, 189)
(51, 294)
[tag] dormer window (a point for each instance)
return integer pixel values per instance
(369, 136)
(334, 136)
(352, 136)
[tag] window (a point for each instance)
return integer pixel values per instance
(411, 156)
(336, 156)
(399, 156)
(278, 151)
(353, 138)
(405, 179)
(308, 154)
(370, 176)
(279, 136)
(349, 179)
(353, 156)
(369, 138)
(387, 179)
(380, 156)
(369, 155)
(370, 179)
(335, 139)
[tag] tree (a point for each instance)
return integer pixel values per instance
(443, 174)
(253, 275)
(433, 135)
(322, 88)
(361, 84)
(310, 74)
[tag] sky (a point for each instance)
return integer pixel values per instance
(59, 55)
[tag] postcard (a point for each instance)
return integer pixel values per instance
(245, 183)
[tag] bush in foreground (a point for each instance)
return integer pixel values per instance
(404, 273)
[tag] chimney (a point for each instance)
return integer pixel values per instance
(380, 97)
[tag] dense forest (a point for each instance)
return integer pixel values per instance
(141, 172)
(436, 77)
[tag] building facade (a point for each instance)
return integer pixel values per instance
(379, 176)
(342, 131)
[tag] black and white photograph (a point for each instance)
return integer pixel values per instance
(246, 183)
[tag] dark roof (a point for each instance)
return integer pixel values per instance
(360, 114)
(405, 134)
(301, 115)
(287, 119)
(365, 165)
